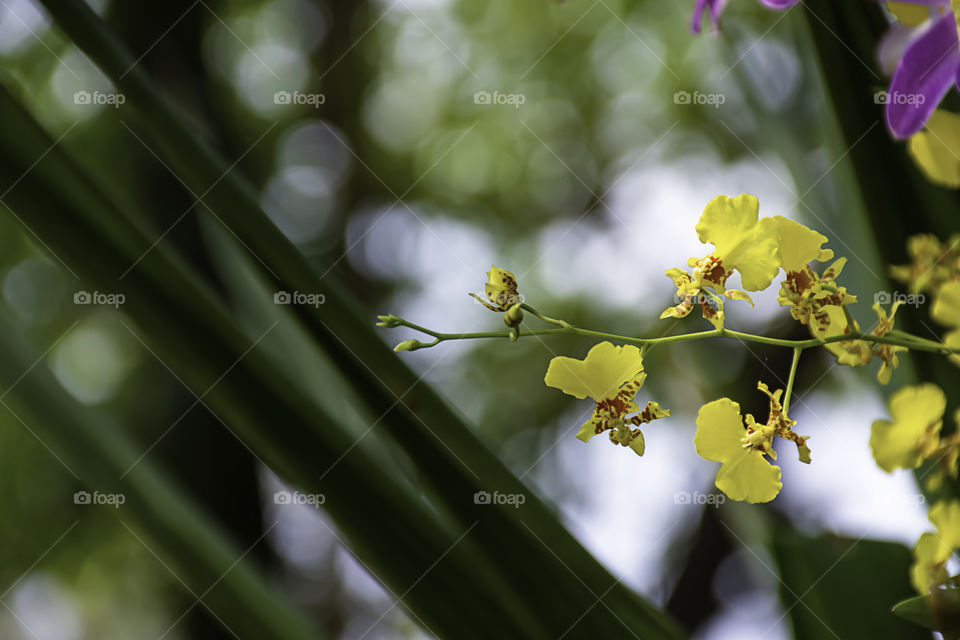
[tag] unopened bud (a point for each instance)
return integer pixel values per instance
(514, 316)
(409, 345)
(388, 321)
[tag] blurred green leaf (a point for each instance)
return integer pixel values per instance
(568, 581)
(190, 547)
(297, 438)
(835, 587)
(938, 610)
(916, 610)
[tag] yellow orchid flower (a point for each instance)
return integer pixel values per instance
(501, 290)
(807, 293)
(742, 242)
(831, 322)
(934, 549)
(742, 447)
(611, 376)
(886, 352)
(932, 264)
(690, 288)
(914, 433)
(946, 311)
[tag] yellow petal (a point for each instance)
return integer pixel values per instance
(637, 444)
(945, 516)
(936, 149)
(946, 306)
(834, 269)
(599, 375)
(741, 241)
(926, 570)
(589, 428)
(681, 310)
(653, 411)
(917, 413)
(799, 245)
(501, 277)
(749, 477)
(719, 430)
(912, 15)
(736, 294)
(832, 322)
(885, 373)
(952, 340)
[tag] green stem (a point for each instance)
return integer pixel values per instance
(903, 340)
(560, 323)
(793, 375)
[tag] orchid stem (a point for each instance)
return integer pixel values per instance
(560, 323)
(793, 375)
(562, 327)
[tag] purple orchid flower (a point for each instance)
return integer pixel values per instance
(715, 8)
(929, 66)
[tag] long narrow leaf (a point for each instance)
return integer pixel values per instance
(414, 550)
(455, 461)
(211, 568)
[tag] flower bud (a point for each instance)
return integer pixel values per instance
(388, 321)
(409, 345)
(514, 316)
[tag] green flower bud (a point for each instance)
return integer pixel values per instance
(514, 316)
(388, 321)
(409, 345)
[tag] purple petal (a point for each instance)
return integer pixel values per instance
(929, 3)
(927, 69)
(715, 7)
(893, 43)
(779, 5)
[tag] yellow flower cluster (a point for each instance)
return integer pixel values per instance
(908, 441)
(935, 269)
(932, 264)
(758, 249)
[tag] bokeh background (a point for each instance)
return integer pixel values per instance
(609, 127)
